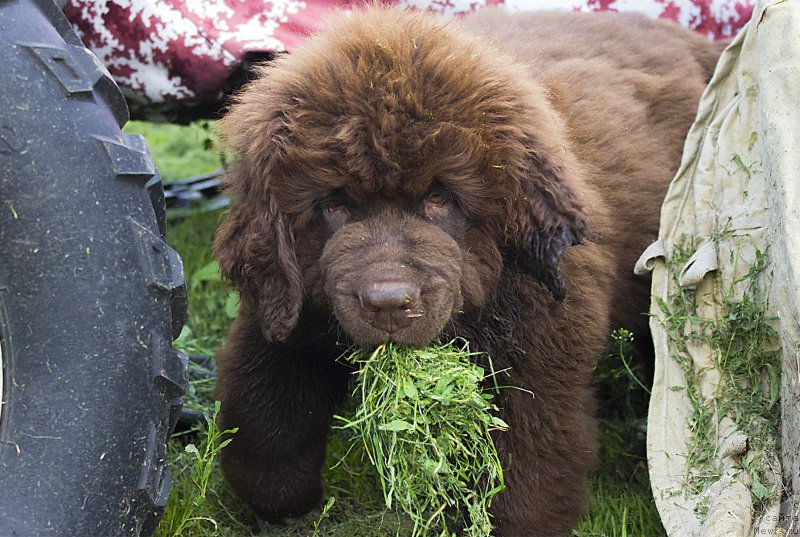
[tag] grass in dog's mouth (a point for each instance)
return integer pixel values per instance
(424, 419)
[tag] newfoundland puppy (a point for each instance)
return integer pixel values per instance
(402, 178)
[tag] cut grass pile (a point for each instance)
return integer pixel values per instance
(621, 504)
(424, 420)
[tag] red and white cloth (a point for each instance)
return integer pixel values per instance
(184, 51)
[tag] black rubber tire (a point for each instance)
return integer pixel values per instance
(91, 296)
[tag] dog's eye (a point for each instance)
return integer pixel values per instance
(436, 200)
(335, 206)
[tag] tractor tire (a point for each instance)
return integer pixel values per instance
(91, 295)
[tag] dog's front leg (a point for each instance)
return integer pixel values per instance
(281, 397)
(547, 453)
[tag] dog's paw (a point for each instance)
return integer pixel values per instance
(265, 525)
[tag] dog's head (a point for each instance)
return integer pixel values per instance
(386, 172)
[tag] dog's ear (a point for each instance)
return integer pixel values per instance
(546, 216)
(255, 243)
(255, 249)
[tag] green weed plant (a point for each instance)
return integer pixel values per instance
(187, 513)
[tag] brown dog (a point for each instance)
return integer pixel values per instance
(405, 178)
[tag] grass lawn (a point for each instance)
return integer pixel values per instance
(202, 505)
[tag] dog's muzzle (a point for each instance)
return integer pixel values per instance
(397, 279)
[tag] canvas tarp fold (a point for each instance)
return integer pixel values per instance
(729, 243)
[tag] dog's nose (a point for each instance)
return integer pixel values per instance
(390, 305)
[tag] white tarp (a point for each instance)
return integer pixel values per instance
(736, 197)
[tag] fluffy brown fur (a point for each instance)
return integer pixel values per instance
(403, 177)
